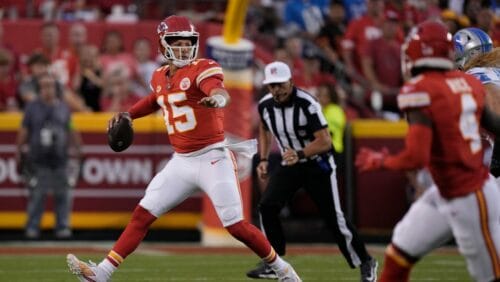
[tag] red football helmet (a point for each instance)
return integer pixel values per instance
(174, 28)
(428, 45)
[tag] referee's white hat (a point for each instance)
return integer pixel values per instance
(276, 72)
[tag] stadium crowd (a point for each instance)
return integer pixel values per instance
(352, 45)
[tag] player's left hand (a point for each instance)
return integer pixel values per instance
(370, 160)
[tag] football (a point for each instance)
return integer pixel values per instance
(121, 135)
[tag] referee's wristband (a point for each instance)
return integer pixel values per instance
(301, 155)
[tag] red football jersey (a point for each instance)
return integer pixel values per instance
(454, 101)
(190, 126)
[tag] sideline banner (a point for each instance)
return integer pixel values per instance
(110, 184)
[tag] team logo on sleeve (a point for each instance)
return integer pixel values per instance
(185, 83)
(158, 89)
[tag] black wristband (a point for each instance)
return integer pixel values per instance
(263, 160)
(301, 155)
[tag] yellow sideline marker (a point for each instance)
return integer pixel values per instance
(235, 20)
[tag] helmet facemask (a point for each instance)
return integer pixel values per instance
(186, 53)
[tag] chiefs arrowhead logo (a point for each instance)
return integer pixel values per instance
(162, 27)
(158, 89)
(185, 84)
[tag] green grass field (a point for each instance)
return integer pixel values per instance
(164, 266)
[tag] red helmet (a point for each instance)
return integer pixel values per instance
(174, 28)
(428, 45)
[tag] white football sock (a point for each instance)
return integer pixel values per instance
(107, 267)
(278, 264)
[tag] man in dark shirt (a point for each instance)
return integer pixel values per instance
(46, 133)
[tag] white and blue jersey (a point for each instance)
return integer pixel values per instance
(486, 75)
(490, 75)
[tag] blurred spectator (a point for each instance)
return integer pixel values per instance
(422, 10)
(48, 10)
(76, 10)
(453, 21)
(335, 117)
(107, 6)
(306, 16)
(113, 56)
(381, 62)
(359, 32)
(63, 62)
(89, 84)
(332, 32)
(312, 76)
(495, 33)
(354, 9)
(486, 21)
(405, 13)
(8, 83)
(471, 10)
(146, 66)
(294, 47)
(47, 132)
(38, 65)
(262, 22)
(120, 15)
(118, 95)
(77, 38)
(15, 55)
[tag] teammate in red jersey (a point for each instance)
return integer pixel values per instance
(444, 108)
(190, 93)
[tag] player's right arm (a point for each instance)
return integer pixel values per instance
(210, 81)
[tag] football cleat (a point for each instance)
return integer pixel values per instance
(85, 272)
(262, 271)
(369, 270)
(288, 274)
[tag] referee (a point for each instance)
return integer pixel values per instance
(295, 119)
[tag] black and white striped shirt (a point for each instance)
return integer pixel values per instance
(293, 123)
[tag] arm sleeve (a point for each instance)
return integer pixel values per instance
(144, 107)
(210, 83)
(315, 118)
(416, 153)
(260, 109)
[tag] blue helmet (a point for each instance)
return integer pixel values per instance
(470, 42)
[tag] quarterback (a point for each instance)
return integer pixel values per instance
(190, 94)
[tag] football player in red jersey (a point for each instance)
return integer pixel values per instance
(444, 108)
(190, 93)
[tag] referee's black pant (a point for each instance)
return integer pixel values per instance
(321, 185)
